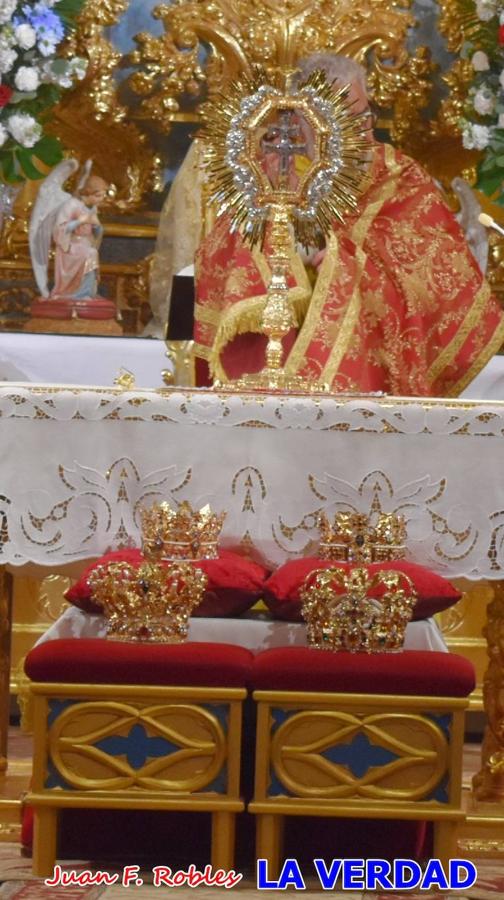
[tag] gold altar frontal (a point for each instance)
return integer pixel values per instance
(386, 449)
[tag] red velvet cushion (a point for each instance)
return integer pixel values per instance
(412, 672)
(281, 593)
(234, 583)
(99, 661)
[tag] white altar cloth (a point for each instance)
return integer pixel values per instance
(77, 465)
(74, 359)
(489, 384)
(252, 633)
(69, 359)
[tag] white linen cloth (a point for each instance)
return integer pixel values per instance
(254, 634)
(69, 359)
(77, 465)
(489, 384)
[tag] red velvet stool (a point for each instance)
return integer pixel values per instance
(376, 736)
(136, 726)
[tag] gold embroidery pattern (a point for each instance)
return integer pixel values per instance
(113, 502)
(385, 415)
(250, 475)
(376, 494)
(347, 327)
(4, 526)
(307, 331)
(491, 348)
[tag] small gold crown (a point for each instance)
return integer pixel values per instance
(150, 603)
(355, 537)
(357, 611)
(182, 533)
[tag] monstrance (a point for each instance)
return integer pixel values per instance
(284, 162)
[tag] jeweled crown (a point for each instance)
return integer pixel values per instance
(356, 537)
(181, 533)
(150, 603)
(357, 611)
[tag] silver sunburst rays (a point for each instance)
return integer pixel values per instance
(307, 132)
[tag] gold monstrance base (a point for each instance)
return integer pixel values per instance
(277, 380)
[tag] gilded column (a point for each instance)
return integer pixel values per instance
(488, 784)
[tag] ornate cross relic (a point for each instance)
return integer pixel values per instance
(281, 140)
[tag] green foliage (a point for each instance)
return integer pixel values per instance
(18, 163)
(69, 10)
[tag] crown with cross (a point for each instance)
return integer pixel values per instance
(361, 538)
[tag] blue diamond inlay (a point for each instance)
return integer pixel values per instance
(440, 792)
(137, 747)
(56, 707)
(359, 756)
(54, 779)
(443, 722)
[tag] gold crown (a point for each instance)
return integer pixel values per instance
(150, 603)
(181, 533)
(356, 537)
(357, 611)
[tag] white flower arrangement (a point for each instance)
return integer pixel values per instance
(484, 101)
(482, 126)
(24, 129)
(25, 36)
(27, 78)
(7, 8)
(32, 76)
(475, 137)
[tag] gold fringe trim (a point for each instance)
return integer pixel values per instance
(245, 316)
(201, 351)
(206, 316)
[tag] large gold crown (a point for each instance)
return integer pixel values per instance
(181, 533)
(357, 611)
(356, 537)
(150, 603)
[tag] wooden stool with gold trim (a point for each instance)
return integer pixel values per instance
(359, 736)
(136, 726)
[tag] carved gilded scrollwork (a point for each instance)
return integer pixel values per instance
(110, 745)
(310, 748)
(240, 33)
(488, 784)
(93, 122)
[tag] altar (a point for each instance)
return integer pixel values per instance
(78, 464)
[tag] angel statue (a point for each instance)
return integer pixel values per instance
(71, 223)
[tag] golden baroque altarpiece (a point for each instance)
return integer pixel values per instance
(205, 43)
